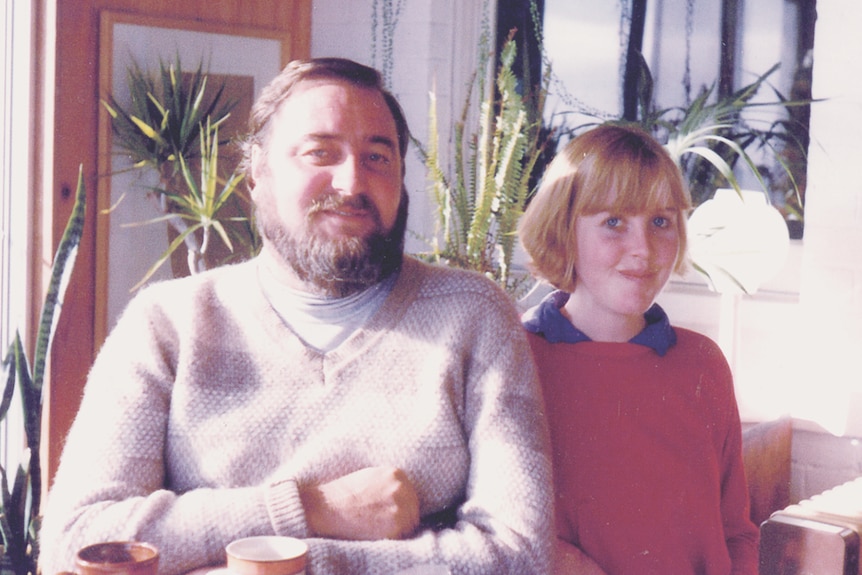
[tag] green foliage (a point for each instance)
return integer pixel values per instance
(19, 509)
(201, 204)
(480, 201)
(169, 128)
(710, 136)
(163, 120)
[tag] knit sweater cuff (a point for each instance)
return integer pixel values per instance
(285, 509)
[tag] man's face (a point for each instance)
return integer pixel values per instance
(328, 183)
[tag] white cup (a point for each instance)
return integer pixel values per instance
(267, 555)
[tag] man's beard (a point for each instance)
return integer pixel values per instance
(338, 267)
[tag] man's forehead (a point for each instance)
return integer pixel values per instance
(322, 106)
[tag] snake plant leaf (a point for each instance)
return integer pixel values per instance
(20, 505)
(17, 509)
(61, 271)
(10, 366)
(7, 532)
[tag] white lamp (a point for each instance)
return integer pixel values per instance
(739, 242)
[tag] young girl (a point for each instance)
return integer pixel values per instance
(644, 424)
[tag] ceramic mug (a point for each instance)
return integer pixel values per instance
(118, 558)
(267, 555)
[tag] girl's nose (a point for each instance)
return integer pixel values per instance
(640, 240)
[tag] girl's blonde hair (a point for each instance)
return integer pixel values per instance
(613, 167)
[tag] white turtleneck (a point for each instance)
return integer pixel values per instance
(323, 322)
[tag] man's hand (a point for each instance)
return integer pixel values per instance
(369, 504)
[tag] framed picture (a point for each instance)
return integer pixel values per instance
(243, 60)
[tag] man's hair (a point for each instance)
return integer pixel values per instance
(335, 69)
(613, 167)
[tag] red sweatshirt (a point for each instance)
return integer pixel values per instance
(647, 456)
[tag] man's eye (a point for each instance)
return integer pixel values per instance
(320, 155)
(378, 158)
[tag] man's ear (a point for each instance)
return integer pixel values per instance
(258, 166)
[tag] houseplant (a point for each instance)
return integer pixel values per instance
(21, 494)
(710, 136)
(481, 192)
(199, 205)
(171, 127)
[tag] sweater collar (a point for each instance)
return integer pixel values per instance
(547, 320)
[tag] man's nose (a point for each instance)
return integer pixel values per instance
(348, 176)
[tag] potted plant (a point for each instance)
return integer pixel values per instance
(481, 193)
(21, 493)
(171, 127)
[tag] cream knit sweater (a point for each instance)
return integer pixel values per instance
(204, 412)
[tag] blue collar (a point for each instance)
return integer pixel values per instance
(545, 319)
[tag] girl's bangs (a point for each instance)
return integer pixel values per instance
(632, 187)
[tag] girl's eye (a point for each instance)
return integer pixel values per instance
(613, 222)
(663, 221)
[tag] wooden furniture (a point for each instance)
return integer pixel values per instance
(766, 454)
(820, 535)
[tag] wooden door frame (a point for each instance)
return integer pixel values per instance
(74, 141)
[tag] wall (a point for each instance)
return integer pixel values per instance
(830, 318)
(831, 296)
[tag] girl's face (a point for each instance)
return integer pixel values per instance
(623, 261)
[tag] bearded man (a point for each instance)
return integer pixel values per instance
(384, 410)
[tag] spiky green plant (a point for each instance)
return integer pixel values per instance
(480, 201)
(199, 206)
(20, 505)
(169, 128)
(708, 138)
(163, 119)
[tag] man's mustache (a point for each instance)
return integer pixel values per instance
(336, 202)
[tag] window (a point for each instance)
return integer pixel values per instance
(15, 200)
(689, 45)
